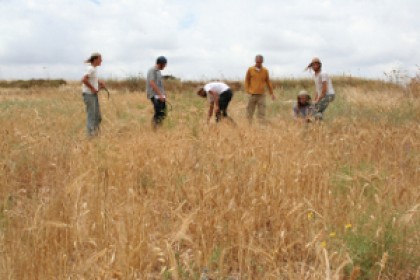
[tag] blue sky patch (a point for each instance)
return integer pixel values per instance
(187, 21)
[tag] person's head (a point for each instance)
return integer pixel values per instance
(259, 59)
(315, 65)
(95, 59)
(201, 92)
(303, 98)
(161, 62)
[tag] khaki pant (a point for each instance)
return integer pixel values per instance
(256, 100)
(322, 105)
(93, 111)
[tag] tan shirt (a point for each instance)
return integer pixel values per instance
(256, 80)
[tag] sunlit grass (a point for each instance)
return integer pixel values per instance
(281, 201)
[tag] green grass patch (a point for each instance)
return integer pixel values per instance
(33, 83)
(379, 240)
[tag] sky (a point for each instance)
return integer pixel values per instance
(208, 39)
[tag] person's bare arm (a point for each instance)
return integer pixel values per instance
(323, 93)
(247, 81)
(270, 87)
(211, 107)
(101, 84)
(85, 80)
(216, 100)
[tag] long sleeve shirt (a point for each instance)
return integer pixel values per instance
(256, 80)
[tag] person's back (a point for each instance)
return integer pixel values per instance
(219, 96)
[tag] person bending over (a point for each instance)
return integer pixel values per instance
(219, 96)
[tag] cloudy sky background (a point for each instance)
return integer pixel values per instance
(208, 39)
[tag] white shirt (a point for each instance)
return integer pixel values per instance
(319, 79)
(217, 87)
(92, 73)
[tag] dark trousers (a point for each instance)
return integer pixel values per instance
(160, 110)
(224, 100)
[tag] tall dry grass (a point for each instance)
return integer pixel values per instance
(336, 200)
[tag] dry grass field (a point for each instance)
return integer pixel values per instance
(333, 200)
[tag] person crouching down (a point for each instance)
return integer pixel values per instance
(324, 91)
(303, 108)
(219, 95)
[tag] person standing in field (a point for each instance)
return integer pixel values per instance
(256, 80)
(324, 91)
(156, 92)
(90, 87)
(219, 95)
(303, 108)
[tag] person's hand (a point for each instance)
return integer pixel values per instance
(273, 97)
(161, 98)
(101, 85)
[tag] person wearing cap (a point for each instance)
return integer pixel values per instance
(324, 91)
(303, 107)
(156, 92)
(219, 95)
(90, 87)
(256, 80)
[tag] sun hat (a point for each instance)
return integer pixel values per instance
(93, 55)
(304, 93)
(314, 60)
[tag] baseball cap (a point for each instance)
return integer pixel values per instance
(161, 60)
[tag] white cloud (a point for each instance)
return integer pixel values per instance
(207, 39)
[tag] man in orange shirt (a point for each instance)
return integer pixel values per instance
(257, 78)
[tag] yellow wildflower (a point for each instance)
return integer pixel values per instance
(310, 215)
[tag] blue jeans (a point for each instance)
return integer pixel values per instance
(160, 111)
(93, 112)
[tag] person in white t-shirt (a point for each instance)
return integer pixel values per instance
(90, 87)
(324, 91)
(219, 96)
